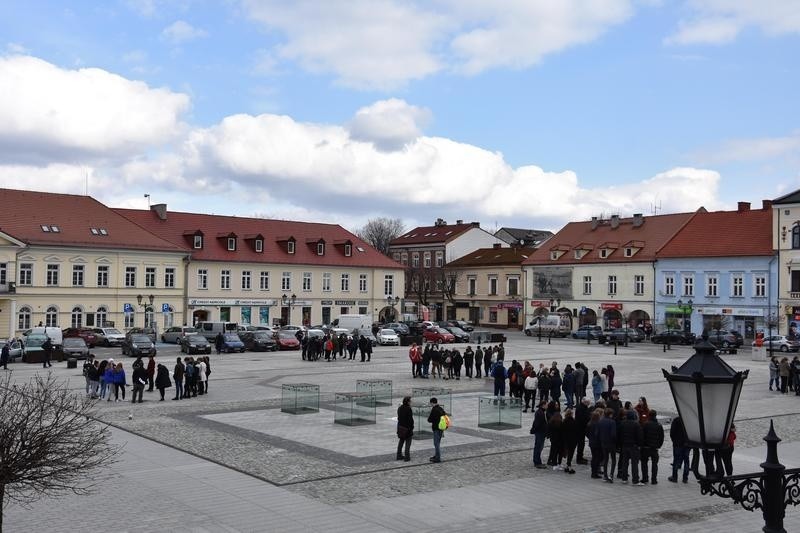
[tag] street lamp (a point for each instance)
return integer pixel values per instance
(706, 392)
(289, 302)
(148, 308)
(683, 313)
(392, 301)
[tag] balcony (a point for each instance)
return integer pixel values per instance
(794, 295)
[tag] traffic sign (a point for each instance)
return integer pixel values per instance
(165, 308)
(127, 308)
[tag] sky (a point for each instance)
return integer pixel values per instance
(520, 113)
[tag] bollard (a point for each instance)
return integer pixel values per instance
(550, 336)
(615, 346)
(665, 347)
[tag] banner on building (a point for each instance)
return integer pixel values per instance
(552, 282)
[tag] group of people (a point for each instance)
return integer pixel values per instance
(107, 378)
(784, 375)
(331, 346)
(447, 363)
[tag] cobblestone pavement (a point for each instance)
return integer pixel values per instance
(232, 461)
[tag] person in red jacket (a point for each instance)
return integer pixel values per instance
(415, 356)
(151, 372)
(724, 457)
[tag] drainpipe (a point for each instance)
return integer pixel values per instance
(187, 261)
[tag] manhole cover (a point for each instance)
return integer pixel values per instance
(675, 516)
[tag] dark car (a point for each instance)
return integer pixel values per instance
(399, 328)
(368, 334)
(138, 345)
(725, 339)
(673, 336)
(194, 343)
(286, 340)
(150, 332)
(232, 343)
(259, 341)
(466, 326)
(87, 334)
(619, 335)
(593, 332)
(75, 347)
(458, 333)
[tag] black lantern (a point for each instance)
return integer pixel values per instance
(706, 392)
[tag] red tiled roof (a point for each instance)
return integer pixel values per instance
(723, 234)
(430, 234)
(23, 214)
(492, 257)
(275, 232)
(653, 233)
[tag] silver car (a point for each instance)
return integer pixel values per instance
(75, 347)
(175, 334)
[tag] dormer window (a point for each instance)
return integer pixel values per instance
(320, 248)
(348, 250)
(604, 253)
(553, 256)
(628, 252)
(45, 228)
(290, 247)
(231, 244)
(259, 246)
(54, 229)
(197, 243)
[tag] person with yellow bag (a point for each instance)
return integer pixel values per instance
(436, 417)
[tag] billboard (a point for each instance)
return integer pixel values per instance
(552, 282)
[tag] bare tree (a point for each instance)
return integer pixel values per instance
(379, 232)
(434, 282)
(50, 441)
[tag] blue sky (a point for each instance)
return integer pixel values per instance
(517, 113)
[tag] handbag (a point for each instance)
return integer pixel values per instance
(403, 432)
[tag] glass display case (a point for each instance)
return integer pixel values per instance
(299, 398)
(423, 395)
(499, 412)
(354, 408)
(381, 389)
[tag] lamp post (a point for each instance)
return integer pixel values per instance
(706, 392)
(148, 307)
(683, 308)
(392, 301)
(289, 302)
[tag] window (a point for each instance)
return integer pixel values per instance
(307, 281)
(396, 256)
(471, 285)
(259, 246)
(603, 253)
(51, 317)
(345, 282)
(688, 285)
(246, 275)
(362, 283)
(52, 275)
(492, 286)
(320, 248)
(231, 244)
(77, 275)
(669, 285)
(492, 314)
(513, 287)
(26, 274)
(404, 258)
(388, 284)
(348, 250)
(796, 236)
(202, 278)
(263, 281)
(426, 259)
(711, 285)
(587, 284)
(737, 285)
(130, 276)
(638, 285)
(3, 274)
(439, 259)
(415, 260)
(76, 317)
(225, 279)
(24, 318)
(198, 242)
(169, 277)
(100, 316)
(102, 275)
(612, 284)
(286, 281)
(326, 282)
(150, 276)
(290, 247)
(759, 285)
(628, 252)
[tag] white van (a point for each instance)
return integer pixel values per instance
(55, 334)
(552, 324)
(351, 322)
(209, 330)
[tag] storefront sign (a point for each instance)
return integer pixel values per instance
(229, 301)
(509, 305)
(607, 306)
(363, 302)
(540, 303)
(730, 311)
(326, 302)
(345, 302)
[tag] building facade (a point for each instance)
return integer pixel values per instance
(785, 317)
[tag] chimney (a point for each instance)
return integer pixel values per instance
(766, 204)
(475, 224)
(595, 223)
(440, 222)
(743, 206)
(497, 245)
(459, 221)
(614, 221)
(638, 220)
(160, 210)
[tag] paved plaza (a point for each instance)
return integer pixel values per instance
(232, 461)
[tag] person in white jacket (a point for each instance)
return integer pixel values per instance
(202, 379)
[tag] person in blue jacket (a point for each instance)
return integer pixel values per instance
(499, 374)
(555, 384)
(568, 385)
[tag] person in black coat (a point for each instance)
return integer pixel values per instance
(457, 362)
(139, 380)
(487, 361)
(437, 412)
(405, 429)
(555, 385)
(219, 342)
(630, 437)
(539, 432)
(607, 437)
(478, 361)
(556, 435)
(652, 440)
(469, 358)
(162, 380)
(569, 433)
(680, 450)
(544, 385)
(582, 417)
(5, 355)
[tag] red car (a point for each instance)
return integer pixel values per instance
(286, 340)
(438, 335)
(87, 334)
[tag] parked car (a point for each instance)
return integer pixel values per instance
(75, 347)
(15, 348)
(174, 334)
(368, 334)
(149, 332)
(673, 336)
(725, 339)
(259, 341)
(293, 328)
(194, 343)
(438, 335)
(593, 332)
(33, 345)
(286, 340)
(388, 336)
(780, 342)
(315, 333)
(138, 345)
(399, 328)
(111, 336)
(87, 334)
(249, 328)
(232, 343)
(619, 335)
(458, 333)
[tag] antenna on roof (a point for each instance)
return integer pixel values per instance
(655, 208)
(148, 200)
(86, 184)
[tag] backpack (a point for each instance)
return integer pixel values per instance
(444, 422)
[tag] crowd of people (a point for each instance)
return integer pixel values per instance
(107, 379)
(437, 361)
(331, 346)
(784, 375)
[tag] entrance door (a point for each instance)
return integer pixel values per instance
(513, 317)
(474, 315)
(199, 316)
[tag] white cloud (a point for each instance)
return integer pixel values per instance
(389, 124)
(385, 43)
(46, 109)
(754, 149)
(16, 48)
(721, 21)
(181, 31)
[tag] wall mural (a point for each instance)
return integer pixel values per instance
(553, 283)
